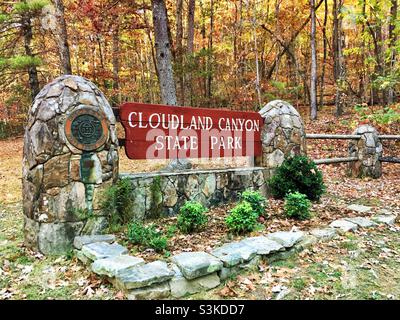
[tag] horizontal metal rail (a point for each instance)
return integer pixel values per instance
(332, 136)
(389, 159)
(348, 136)
(335, 160)
(389, 137)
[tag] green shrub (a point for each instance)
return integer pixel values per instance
(297, 206)
(191, 217)
(256, 200)
(242, 218)
(117, 203)
(300, 174)
(146, 236)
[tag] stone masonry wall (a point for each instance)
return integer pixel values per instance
(161, 194)
(62, 183)
(368, 149)
(283, 134)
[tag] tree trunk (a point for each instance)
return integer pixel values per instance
(210, 54)
(258, 88)
(190, 45)
(338, 67)
(115, 55)
(163, 51)
(362, 75)
(325, 47)
(392, 44)
(313, 76)
(62, 38)
(32, 70)
(179, 52)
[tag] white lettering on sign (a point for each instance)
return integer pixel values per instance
(175, 122)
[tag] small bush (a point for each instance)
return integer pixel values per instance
(191, 217)
(297, 206)
(242, 218)
(256, 200)
(146, 236)
(300, 174)
(117, 203)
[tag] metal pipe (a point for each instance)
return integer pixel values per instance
(335, 160)
(332, 136)
(389, 137)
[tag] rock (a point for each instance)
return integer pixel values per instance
(144, 276)
(306, 242)
(388, 219)
(56, 172)
(234, 253)
(170, 195)
(57, 238)
(359, 208)
(71, 84)
(101, 250)
(87, 98)
(54, 91)
(80, 241)
(113, 266)
(275, 159)
(263, 245)
(361, 222)
(178, 165)
(209, 185)
(343, 225)
(95, 225)
(324, 234)
(181, 286)
(384, 211)
(154, 292)
(196, 264)
(286, 238)
(227, 272)
(82, 258)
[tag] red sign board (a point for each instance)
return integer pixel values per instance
(165, 132)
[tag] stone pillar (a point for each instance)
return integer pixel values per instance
(282, 135)
(70, 156)
(368, 149)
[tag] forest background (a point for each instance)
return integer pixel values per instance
(236, 54)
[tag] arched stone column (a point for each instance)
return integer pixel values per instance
(368, 149)
(282, 135)
(70, 156)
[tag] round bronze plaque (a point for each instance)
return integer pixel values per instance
(86, 129)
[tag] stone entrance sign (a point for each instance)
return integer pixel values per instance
(70, 157)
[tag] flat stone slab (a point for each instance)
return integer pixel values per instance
(359, 208)
(324, 233)
(344, 225)
(196, 264)
(113, 266)
(154, 292)
(101, 250)
(181, 287)
(384, 218)
(144, 276)
(82, 240)
(362, 222)
(286, 238)
(82, 258)
(234, 253)
(263, 245)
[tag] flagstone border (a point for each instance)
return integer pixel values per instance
(191, 272)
